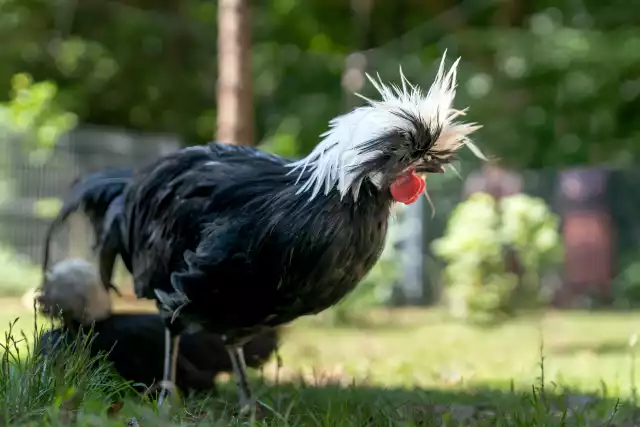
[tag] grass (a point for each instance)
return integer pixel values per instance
(18, 273)
(401, 368)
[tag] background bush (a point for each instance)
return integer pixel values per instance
(481, 237)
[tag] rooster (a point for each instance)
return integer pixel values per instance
(237, 241)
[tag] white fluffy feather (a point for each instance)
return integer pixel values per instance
(73, 287)
(335, 156)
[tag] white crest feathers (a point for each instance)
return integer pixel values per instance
(332, 161)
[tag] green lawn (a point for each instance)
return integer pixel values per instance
(425, 349)
(403, 368)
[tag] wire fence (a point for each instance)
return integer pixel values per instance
(32, 188)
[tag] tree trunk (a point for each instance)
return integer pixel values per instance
(353, 78)
(235, 98)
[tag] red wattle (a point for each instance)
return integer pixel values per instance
(407, 188)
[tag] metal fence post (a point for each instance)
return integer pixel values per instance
(412, 253)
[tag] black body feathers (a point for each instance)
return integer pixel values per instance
(219, 233)
(223, 226)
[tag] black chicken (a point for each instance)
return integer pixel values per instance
(133, 341)
(237, 241)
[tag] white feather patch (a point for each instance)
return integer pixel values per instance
(332, 161)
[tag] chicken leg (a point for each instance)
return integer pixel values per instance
(174, 359)
(171, 348)
(247, 403)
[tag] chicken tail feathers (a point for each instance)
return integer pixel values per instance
(94, 195)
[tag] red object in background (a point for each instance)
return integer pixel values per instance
(588, 243)
(588, 235)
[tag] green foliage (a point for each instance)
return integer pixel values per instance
(34, 119)
(559, 91)
(532, 229)
(480, 238)
(33, 114)
(284, 140)
(626, 286)
(556, 85)
(34, 386)
(559, 79)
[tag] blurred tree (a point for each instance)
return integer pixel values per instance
(33, 116)
(554, 83)
(235, 97)
(353, 77)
